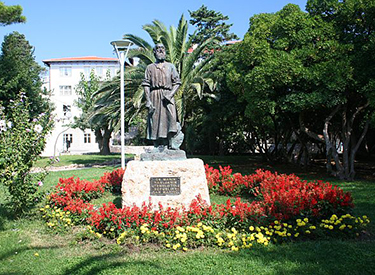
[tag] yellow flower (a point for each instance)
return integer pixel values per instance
(330, 227)
(334, 217)
(36, 254)
(251, 228)
(179, 228)
(185, 249)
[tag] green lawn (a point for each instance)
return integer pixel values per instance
(21, 239)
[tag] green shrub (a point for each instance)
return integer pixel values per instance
(22, 140)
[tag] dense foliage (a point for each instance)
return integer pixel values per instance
(19, 72)
(210, 23)
(303, 78)
(22, 139)
(10, 14)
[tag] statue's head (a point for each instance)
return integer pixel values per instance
(159, 52)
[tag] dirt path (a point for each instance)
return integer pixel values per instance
(75, 166)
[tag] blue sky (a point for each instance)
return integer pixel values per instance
(73, 28)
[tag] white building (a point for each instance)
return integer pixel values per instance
(64, 75)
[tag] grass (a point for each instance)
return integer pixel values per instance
(67, 254)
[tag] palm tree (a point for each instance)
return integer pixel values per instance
(106, 108)
(194, 73)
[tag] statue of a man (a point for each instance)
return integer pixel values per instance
(160, 84)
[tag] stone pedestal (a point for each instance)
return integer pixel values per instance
(173, 183)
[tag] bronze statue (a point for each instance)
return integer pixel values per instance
(160, 85)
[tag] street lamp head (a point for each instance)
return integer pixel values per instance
(121, 45)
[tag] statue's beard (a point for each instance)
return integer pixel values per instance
(160, 56)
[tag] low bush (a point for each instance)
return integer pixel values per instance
(113, 180)
(282, 196)
(22, 139)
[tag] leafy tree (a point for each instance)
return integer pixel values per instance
(102, 127)
(210, 23)
(19, 72)
(354, 25)
(10, 14)
(294, 70)
(218, 126)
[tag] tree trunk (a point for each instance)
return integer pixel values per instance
(354, 151)
(103, 140)
(99, 138)
(330, 149)
(105, 150)
(350, 147)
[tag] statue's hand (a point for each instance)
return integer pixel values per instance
(150, 107)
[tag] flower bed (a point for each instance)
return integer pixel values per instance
(284, 208)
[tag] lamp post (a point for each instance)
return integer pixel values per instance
(121, 48)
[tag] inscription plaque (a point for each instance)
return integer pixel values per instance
(165, 186)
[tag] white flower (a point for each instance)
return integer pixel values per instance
(9, 124)
(3, 126)
(38, 128)
(2, 123)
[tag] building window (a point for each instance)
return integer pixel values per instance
(99, 71)
(65, 90)
(67, 110)
(67, 141)
(86, 138)
(65, 71)
(87, 71)
(113, 71)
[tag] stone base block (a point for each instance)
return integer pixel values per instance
(166, 154)
(173, 183)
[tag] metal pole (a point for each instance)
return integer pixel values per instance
(122, 92)
(120, 46)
